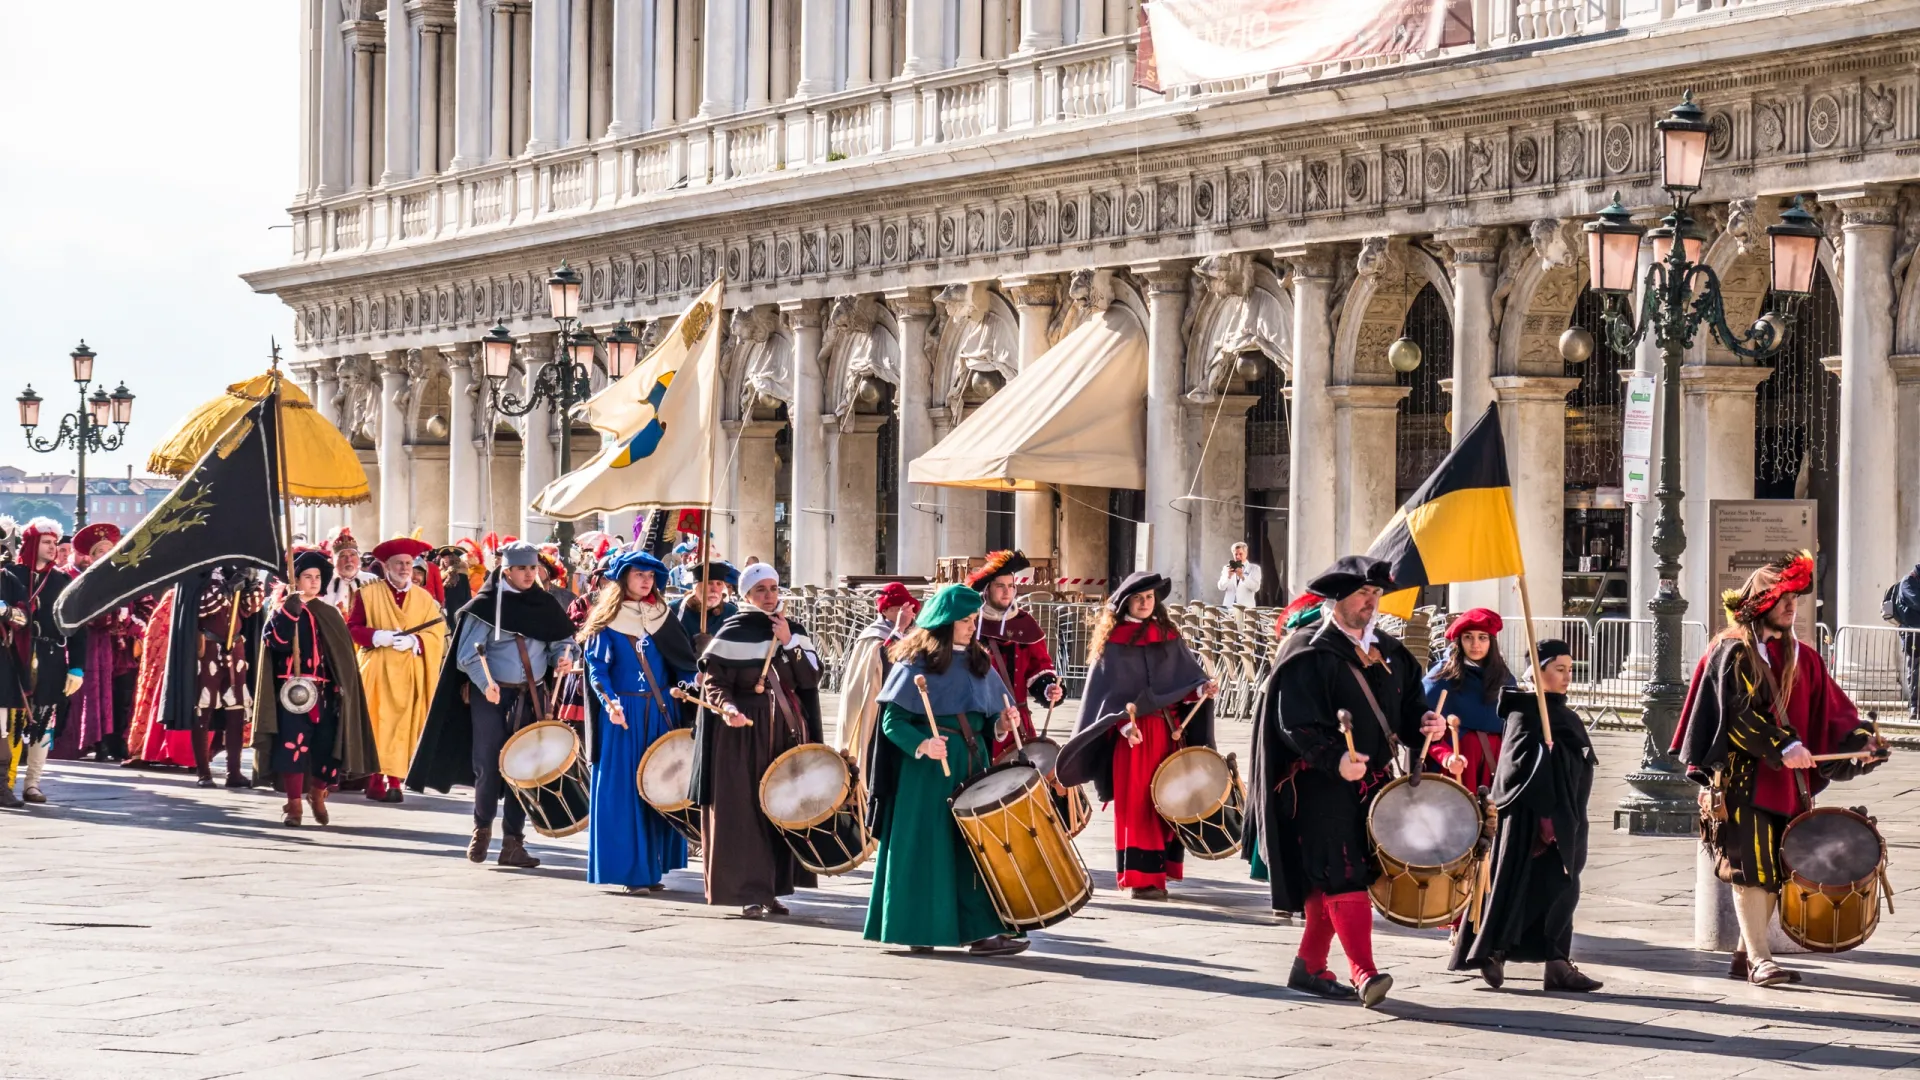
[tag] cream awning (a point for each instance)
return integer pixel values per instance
(1077, 415)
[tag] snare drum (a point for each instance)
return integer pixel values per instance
(1030, 866)
(808, 794)
(1069, 803)
(1836, 865)
(664, 778)
(1426, 838)
(542, 766)
(1199, 793)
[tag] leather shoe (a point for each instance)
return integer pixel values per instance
(1768, 973)
(1150, 892)
(754, 911)
(290, 814)
(8, 800)
(394, 795)
(34, 797)
(1325, 986)
(998, 945)
(477, 847)
(919, 950)
(513, 853)
(775, 907)
(317, 798)
(1562, 975)
(1374, 990)
(1494, 972)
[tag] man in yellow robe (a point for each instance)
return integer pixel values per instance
(401, 636)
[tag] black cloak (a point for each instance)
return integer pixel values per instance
(1527, 916)
(180, 692)
(741, 642)
(1150, 676)
(1311, 825)
(53, 653)
(353, 746)
(445, 754)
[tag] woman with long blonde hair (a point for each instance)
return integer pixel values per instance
(635, 655)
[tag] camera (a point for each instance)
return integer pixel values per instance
(1236, 564)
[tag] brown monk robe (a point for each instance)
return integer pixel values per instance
(746, 862)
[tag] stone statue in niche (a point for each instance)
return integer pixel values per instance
(1088, 294)
(980, 346)
(769, 371)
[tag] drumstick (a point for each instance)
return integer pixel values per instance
(1453, 724)
(480, 650)
(695, 699)
(773, 646)
(1015, 726)
(1046, 723)
(1346, 728)
(1854, 756)
(920, 684)
(1188, 719)
(1133, 718)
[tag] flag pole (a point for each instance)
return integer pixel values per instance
(280, 467)
(1533, 654)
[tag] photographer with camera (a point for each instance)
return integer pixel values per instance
(1239, 579)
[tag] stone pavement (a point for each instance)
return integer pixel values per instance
(161, 931)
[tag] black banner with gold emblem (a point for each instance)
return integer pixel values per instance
(222, 513)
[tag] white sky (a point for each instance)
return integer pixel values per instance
(145, 149)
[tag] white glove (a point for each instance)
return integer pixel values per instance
(404, 642)
(382, 638)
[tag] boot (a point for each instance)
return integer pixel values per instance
(1562, 975)
(1494, 972)
(36, 764)
(236, 728)
(477, 847)
(202, 753)
(376, 788)
(317, 798)
(8, 800)
(290, 813)
(513, 853)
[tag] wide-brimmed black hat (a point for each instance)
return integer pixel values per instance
(1349, 574)
(1551, 647)
(1136, 583)
(314, 559)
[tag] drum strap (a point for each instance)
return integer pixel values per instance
(653, 683)
(1373, 703)
(1779, 710)
(534, 695)
(778, 692)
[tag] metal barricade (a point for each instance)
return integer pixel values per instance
(1876, 666)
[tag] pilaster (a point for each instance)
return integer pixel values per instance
(808, 513)
(1312, 510)
(1365, 441)
(1034, 297)
(1167, 476)
(1870, 504)
(1533, 416)
(917, 522)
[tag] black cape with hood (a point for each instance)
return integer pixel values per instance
(1527, 917)
(741, 644)
(445, 754)
(1151, 677)
(353, 745)
(1311, 825)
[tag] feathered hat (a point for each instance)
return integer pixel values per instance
(997, 564)
(1788, 575)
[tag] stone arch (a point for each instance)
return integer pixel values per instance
(1391, 276)
(1230, 317)
(1739, 257)
(1538, 309)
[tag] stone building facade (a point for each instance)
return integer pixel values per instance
(912, 199)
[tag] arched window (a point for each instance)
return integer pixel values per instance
(1422, 432)
(1595, 548)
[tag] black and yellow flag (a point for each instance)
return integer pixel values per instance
(1459, 525)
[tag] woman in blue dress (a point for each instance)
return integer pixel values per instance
(635, 652)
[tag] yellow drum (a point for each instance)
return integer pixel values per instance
(1836, 865)
(1070, 804)
(1427, 838)
(1030, 866)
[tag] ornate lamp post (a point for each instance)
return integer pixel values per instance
(562, 381)
(1679, 295)
(83, 429)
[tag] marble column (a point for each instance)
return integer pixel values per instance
(396, 487)
(759, 26)
(600, 73)
(917, 520)
(427, 138)
(629, 74)
(1034, 297)
(1906, 373)
(1533, 417)
(362, 174)
(539, 461)
(970, 48)
(449, 106)
(1716, 462)
(856, 518)
(779, 58)
(1869, 399)
(1093, 21)
(326, 401)
(1040, 28)
(1474, 257)
(500, 85)
(926, 37)
(312, 36)
(1168, 473)
(464, 411)
(549, 77)
(883, 41)
(579, 51)
(686, 69)
(993, 29)
(403, 134)
(963, 511)
(336, 90)
(753, 495)
(664, 75)
(522, 80)
(807, 516)
(859, 44)
(818, 27)
(1221, 515)
(721, 56)
(1311, 466)
(471, 88)
(1365, 443)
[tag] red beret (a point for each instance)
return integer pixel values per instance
(1482, 619)
(894, 595)
(84, 540)
(401, 545)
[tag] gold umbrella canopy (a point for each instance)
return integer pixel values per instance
(321, 466)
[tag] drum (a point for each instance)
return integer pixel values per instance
(1426, 837)
(1836, 867)
(1199, 793)
(542, 766)
(1030, 866)
(664, 778)
(810, 796)
(1070, 804)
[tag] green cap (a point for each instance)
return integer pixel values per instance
(951, 604)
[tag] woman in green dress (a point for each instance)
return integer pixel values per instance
(926, 889)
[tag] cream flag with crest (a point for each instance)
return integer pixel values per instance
(662, 420)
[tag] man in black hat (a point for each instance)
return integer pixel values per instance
(1311, 816)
